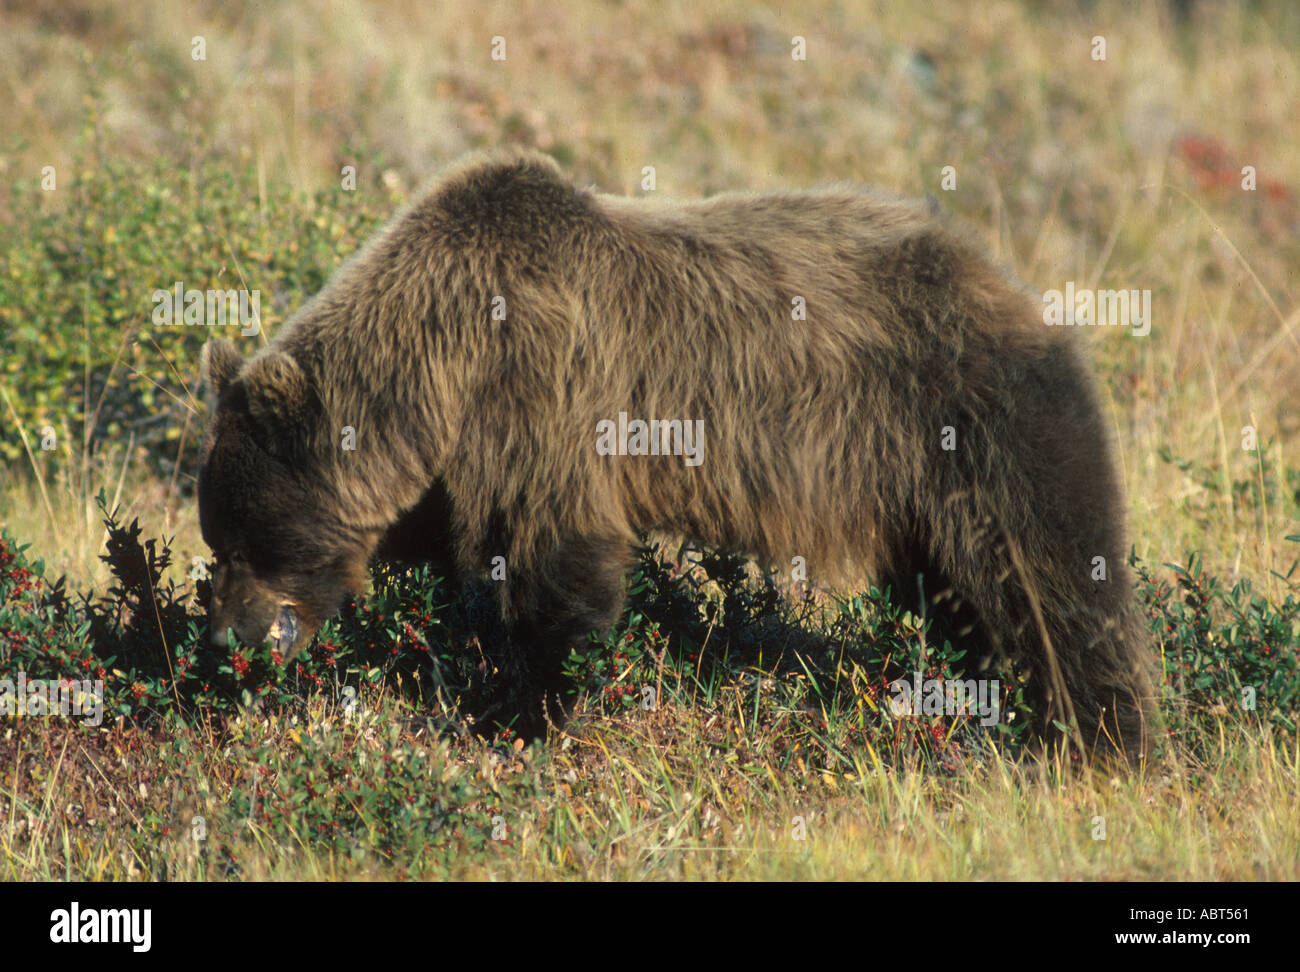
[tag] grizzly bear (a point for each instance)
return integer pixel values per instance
(518, 368)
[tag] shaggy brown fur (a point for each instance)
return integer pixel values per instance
(822, 437)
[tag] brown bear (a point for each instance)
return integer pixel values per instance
(518, 368)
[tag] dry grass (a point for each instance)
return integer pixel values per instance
(680, 794)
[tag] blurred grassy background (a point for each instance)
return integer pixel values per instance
(226, 171)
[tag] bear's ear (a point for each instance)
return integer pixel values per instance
(219, 362)
(277, 388)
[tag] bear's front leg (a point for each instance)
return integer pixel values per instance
(550, 605)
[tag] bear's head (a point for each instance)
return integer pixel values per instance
(282, 563)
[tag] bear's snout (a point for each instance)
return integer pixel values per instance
(284, 631)
(255, 624)
(250, 617)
